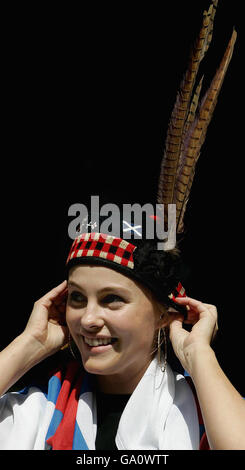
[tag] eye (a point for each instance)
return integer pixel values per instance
(112, 298)
(76, 297)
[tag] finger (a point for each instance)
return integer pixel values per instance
(48, 298)
(194, 305)
(213, 310)
(57, 313)
(61, 299)
(176, 330)
(57, 310)
(57, 291)
(58, 321)
(198, 310)
(192, 316)
(188, 301)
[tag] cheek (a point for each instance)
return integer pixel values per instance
(136, 325)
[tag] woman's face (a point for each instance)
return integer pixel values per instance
(113, 322)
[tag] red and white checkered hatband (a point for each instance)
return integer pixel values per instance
(103, 246)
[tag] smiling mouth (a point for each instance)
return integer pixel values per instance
(99, 341)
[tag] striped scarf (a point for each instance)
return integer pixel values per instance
(63, 432)
(64, 390)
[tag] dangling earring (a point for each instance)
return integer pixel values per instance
(70, 346)
(162, 338)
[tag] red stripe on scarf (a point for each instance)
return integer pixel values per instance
(67, 403)
(204, 445)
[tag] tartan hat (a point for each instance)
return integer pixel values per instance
(138, 258)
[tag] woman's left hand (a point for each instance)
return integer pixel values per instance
(187, 344)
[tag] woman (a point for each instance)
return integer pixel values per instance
(121, 393)
(128, 397)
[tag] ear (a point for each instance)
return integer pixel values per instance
(167, 315)
(164, 314)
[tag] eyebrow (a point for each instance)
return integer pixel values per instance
(105, 289)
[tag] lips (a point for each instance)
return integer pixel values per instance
(99, 341)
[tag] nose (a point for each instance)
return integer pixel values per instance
(92, 317)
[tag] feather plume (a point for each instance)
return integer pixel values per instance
(189, 122)
(180, 112)
(196, 136)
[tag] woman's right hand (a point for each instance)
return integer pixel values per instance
(47, 324)
(45, 333)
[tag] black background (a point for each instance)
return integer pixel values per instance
(87, 97)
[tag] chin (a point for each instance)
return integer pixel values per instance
(99, 366)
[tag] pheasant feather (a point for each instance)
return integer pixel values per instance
(189, 122)
(196, 136)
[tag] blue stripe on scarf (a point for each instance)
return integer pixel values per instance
(55, 422)
(79, 442)
(54, 387)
